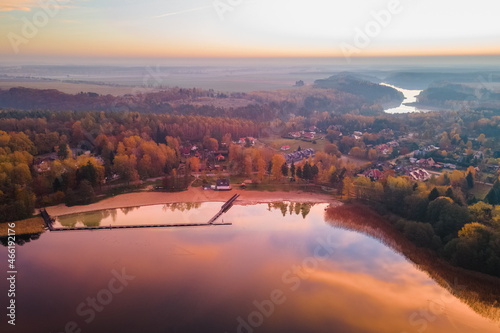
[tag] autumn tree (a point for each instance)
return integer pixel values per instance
(194, 163)
(248, 166)
(372, 154)
(347, 187)
(332, 149)
(261, 168)
(277, 162)
(226, 140)
(211, 144)
(126, 167)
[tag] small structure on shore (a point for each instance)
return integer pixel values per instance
(222, 185)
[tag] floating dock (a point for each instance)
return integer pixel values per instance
(225, 207)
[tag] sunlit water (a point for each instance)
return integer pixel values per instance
(410, 97)
(278, 268)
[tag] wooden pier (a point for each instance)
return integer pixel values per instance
(48, 220)
(225, 207)
(139, 226)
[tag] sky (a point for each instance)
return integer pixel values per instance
(116, 29)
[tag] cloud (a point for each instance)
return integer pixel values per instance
(27, 5)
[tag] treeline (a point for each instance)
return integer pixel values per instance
(437, 217)
(260, 106)
(86, 126)
(43, 159)
(370, 92)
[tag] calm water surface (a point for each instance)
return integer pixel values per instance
(410, 97)
(278, 268)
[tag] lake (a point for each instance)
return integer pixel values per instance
(410, 97)
(279, 268)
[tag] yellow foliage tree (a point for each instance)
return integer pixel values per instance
(277, 161)
(347, 187)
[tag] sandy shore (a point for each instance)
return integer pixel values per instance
(191, 195)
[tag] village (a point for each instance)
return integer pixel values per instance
(367, 154)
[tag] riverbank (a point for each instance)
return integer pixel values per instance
(191, 195)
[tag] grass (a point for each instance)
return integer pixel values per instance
(197, 183)
(480, 190)
(278, 142)
(32, 225)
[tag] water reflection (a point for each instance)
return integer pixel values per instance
(480, 292)
(218, 279)
(20, 239)
(291, 207)
(410, 97)
(128, 216)
(181, 206)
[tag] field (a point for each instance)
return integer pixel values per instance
(29, 226)
(480, 190)
(67, 87)
(278, 142)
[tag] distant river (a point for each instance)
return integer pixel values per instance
(278, 268)
(410, 97)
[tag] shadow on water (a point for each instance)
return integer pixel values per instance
(19, 239)
(479, 291)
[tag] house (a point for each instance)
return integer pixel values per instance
(374, 174)
(393, 144)
(285, 148)
(384, 149)
(309, 135)
(250, 139)
(438, 165)
(295, 135)
(426, 163)
(297, 156)
(492, 167)
(420, 175)
(478, 155)
(42, 166)
(186, 151)
(312, 128)
(222, 185)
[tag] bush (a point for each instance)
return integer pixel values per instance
(422, 235)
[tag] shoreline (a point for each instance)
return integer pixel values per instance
(479, 291)
(135, 199)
